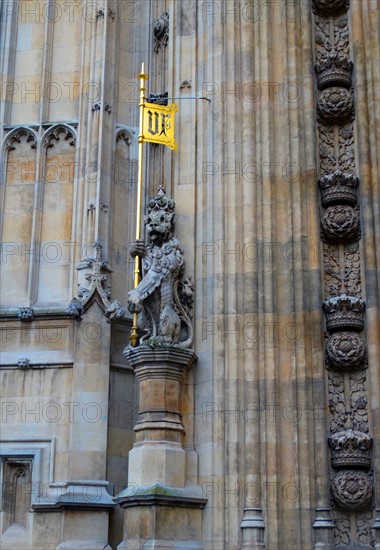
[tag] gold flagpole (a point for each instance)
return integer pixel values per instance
(142, 77)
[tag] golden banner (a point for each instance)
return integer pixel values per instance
(158, 124)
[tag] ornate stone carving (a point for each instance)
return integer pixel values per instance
(97, 278)
(335, 105)
(352, 489)
(342, 269)
(16, 136)
(75, 308)
(185, 85)
(115, 311)
(338, 188)
(345, 351)
(333, 69)
(344, 313)
(330, 7)
(162, 297)
(364, 526)
(341, 223)
(23, 363)
(352, 277)
(25, 313)
(350, 449)
(161, 32)
(58, 132)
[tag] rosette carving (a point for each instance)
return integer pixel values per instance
(330, 7)
(344, 313)
(341, 223)
(333, 69)
(345, 351)
(350, 449)
(352, 489)
(338, 188)
(335, 105)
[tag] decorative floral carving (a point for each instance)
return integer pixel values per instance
(345, 351)
(352, 277)
(341, 223)
(25, 313)
(364, 524)
(352, 489)
(341, 35)
(327, 158)
(346, 154)
(335, 105)
(359, 401)
(342, 532)
(333, 279)
(338, 188)
(336, 404)
(161, 32)
(350, 449)
(333, 69)
(330, 7)
(344, 312)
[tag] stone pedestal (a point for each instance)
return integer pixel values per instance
(164, 511)
(253, 528)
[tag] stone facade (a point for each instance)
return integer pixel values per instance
(263, 431)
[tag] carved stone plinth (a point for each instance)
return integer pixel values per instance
(164, 510)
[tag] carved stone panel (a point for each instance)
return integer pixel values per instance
(341, 223)
(335, 105)
(352, 489)
(345, 351)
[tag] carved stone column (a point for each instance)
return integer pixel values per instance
(346, 361)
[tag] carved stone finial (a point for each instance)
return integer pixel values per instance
(350, 449)
(162, 297)
(333, 69)
(344, 312)
(161, 32)
(97, 279)
(338, 188)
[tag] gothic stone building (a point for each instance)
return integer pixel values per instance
(263, 431)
